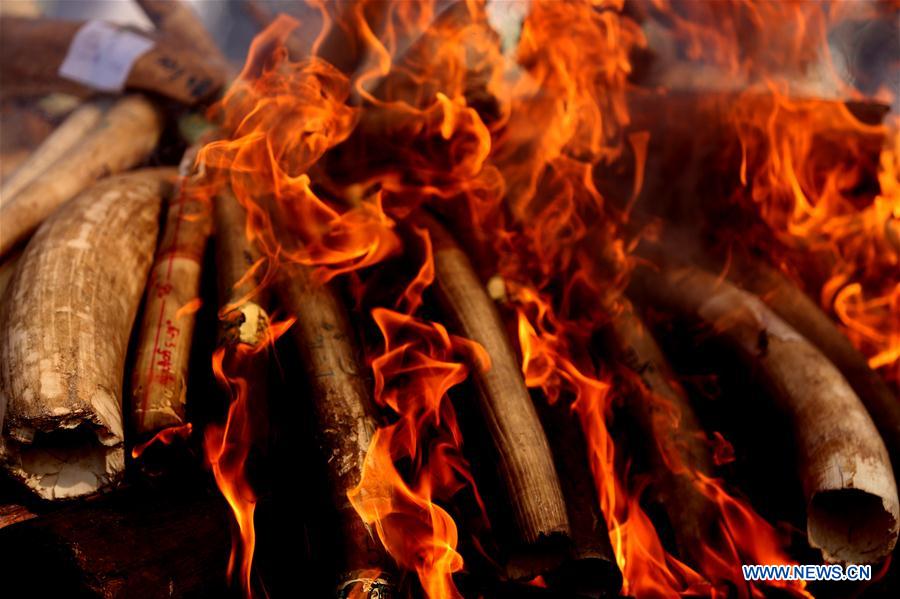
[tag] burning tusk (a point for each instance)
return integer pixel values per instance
(243, 319)
(791, 304)
(678, 449)
(526, 463)
(345, 412)
(851, 495)
(65, 326)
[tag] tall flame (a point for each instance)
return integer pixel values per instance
(228, 446)
(419, 365)
(648, 569)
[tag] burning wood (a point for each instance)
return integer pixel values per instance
(159, 378)
(852, 506)
(526, 463)
(346, 418)
(73, 130)
(36, 52)
(125, 136)
(65, 326)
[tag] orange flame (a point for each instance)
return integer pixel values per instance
(190, 307)
(565, 237)
(166, 436)
(281, 117)
(807, 163)
(804, 164)
(420, 363)
(227, 447)
(646, 566)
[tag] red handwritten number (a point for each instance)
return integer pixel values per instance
(163, 289)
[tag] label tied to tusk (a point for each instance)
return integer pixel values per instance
(101, 55)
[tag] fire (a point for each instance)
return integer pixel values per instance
(228, 446)
(554, 246)
(266, 166)
(227, 449)
(419, 365)
(807, 162)
(330, 167)
(166, 436)
(281, 118)
(649, 570)
(190, 307)
(806, 166)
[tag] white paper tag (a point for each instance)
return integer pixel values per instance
(101, 55)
